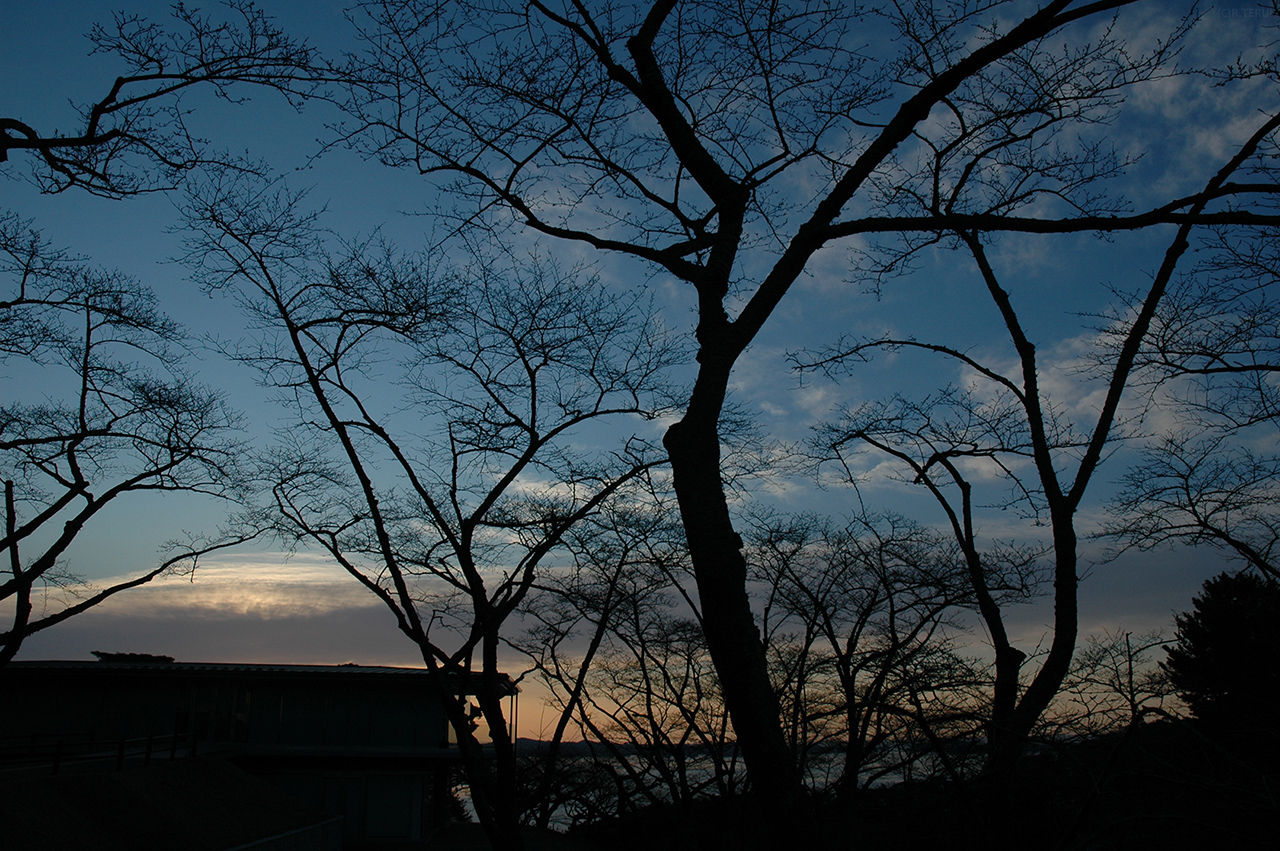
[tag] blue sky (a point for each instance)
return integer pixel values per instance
(257, 606)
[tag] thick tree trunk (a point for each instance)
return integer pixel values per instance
(22, 583)
(1010, 738)
(502, 792)
(730, 629)
(490, 777)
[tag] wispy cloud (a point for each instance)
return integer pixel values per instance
(263, 586)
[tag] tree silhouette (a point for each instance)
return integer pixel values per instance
(448, 508)
(624, 566)
(675, 133)
(1211, 491)
(857, 618)
(114, 415)
(727, 146)
(1225, 663)
(135, 137)
(1009, 420)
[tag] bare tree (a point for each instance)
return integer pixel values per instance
(114, 416)
(134, 137)
(1014, 417)
(679, 134)
(939, 441)
(857, 628)
(674, 133)
(1211, 358)
(654, 704)
(449, 509)
(1212, 491)
(1115, 682)
(132, 420)
(622, 559)
(642, 690)
(859, 623)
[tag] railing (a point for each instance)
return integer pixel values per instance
(56, 752)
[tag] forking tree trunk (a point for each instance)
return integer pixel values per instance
(1011, 732)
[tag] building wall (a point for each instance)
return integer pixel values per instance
(369, 748)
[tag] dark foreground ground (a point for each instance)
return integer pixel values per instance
(1160, 787)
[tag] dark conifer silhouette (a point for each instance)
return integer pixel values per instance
(1225, 663)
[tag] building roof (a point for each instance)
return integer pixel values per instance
(143, 665)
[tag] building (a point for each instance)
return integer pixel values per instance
(370, 744)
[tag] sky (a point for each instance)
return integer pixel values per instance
(262, 605)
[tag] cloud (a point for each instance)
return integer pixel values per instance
(267, 609)
(263, 587)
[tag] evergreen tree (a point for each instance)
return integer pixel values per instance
(1226, 663)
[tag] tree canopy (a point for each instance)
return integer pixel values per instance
(1224, 661)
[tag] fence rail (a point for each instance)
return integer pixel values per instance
(56, 752)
